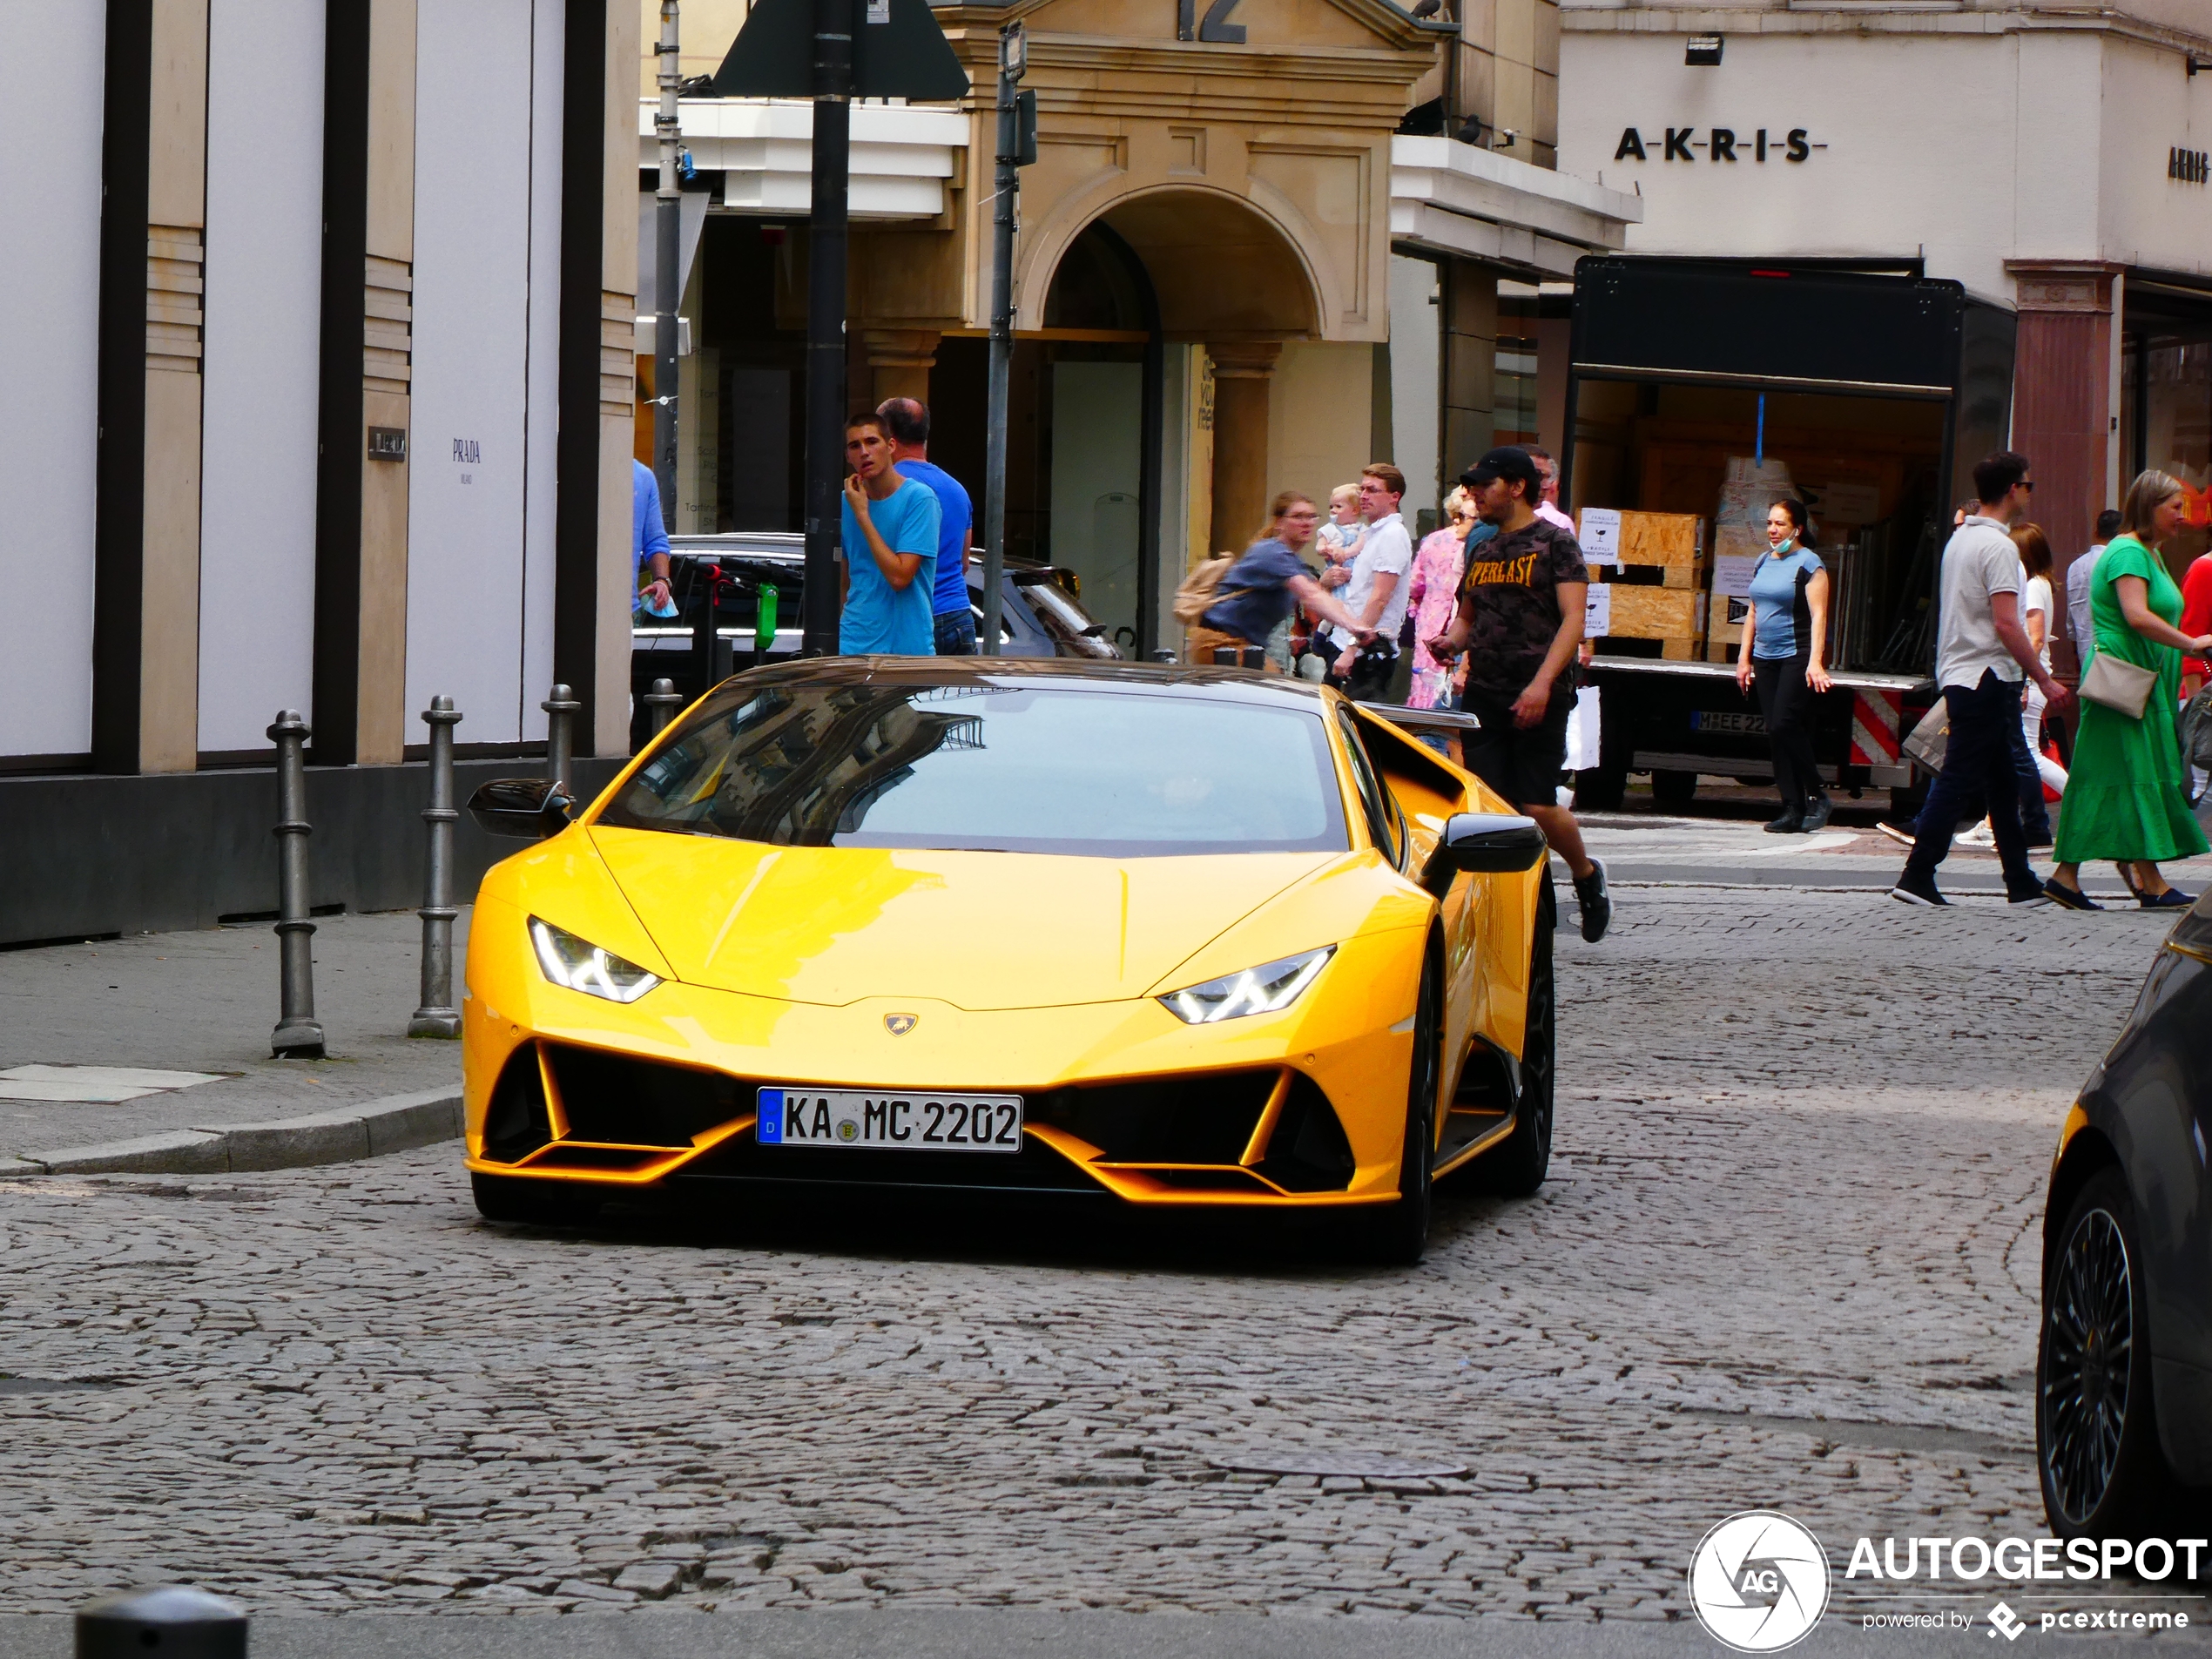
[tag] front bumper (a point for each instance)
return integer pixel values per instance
(1122, 1099)
(563, 1112)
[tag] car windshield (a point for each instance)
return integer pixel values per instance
(996, 767)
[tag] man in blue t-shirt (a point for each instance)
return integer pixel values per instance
(907, 422)
(890, 550)
(648, 541)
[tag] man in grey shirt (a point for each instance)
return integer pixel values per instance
(2077, 588)
(1981, 654)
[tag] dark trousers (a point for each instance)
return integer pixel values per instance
(955, 633)
(1978, 762)
(1786, 701)
(2036, 815)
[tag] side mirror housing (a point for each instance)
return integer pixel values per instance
(526, 808)
(1483, 843)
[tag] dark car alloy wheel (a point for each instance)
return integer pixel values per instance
(2096, 1433)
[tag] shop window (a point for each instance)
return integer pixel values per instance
(2166, 421)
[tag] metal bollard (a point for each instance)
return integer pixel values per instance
(298, 1035)
(438, 1017)
(560, 713)
(175, 1623)
(663, 701)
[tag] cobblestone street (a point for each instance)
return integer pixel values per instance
(1787, 1258)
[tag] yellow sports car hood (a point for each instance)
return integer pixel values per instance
(980, 930)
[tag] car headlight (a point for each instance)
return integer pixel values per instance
(582, 965)
(1268, 988)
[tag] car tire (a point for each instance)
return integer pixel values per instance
(1399, 1233)
(538, 1204)
(1517, 1167)
(1670, 788)
(2096, 1424)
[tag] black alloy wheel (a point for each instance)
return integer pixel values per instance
(536, 1203)
(2096, 1428)
(1517, 1167)
(1399, 1233)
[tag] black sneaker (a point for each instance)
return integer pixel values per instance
(1596, 901)
(1919, 891)
(2027, 898)
(1817, 815)
(1788, 824)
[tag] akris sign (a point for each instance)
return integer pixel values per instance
(1721, 144)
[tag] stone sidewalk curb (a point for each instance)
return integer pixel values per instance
(376, 1126)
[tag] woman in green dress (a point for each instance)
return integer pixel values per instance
(2123, 798)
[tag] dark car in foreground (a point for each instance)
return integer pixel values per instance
(2123, 1421)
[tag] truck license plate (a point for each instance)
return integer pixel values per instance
(1726, 721)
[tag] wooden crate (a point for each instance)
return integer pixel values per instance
(1663, 538)
(1640, 613)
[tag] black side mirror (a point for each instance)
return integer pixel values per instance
(527, 808)
(1483, 843)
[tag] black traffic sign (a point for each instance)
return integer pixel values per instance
(897, 51)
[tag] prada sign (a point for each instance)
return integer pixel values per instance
(1719, 144)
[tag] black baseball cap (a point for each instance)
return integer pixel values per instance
(1502, 463)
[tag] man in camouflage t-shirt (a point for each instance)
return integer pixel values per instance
(1520, 619)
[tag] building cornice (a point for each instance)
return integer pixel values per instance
(1379, 17)
(1870, 20)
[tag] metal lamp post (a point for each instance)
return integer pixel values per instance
(1013, 59)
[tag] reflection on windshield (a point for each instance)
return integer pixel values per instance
(992, 767)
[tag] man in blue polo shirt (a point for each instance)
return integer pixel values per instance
(907, 422)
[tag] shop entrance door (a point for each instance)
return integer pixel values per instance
(1097, 465)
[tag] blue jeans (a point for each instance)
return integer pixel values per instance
(956, 634)
(1979, 763)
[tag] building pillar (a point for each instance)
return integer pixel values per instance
(1470, 306)
(145, 695)
(898, 362)
(1242, 369)
(2062, 413)
(361, 715)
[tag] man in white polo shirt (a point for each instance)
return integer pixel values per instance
(1377, 586)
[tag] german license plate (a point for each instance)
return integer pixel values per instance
(1726, 721)
(913, 1120)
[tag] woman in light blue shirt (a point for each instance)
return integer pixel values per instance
(1785, 646)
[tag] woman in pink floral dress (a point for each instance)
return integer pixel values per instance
(1437, 566)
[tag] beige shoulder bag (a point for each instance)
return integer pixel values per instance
(2118, 685)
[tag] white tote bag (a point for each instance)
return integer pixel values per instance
(1582, 731)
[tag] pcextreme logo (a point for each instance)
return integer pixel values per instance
(1758, 1581)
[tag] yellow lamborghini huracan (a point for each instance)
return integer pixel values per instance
(1167, 936)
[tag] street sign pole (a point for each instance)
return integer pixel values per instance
(1012, 60)
(833, 51)
(833, 161)
(667, 275)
